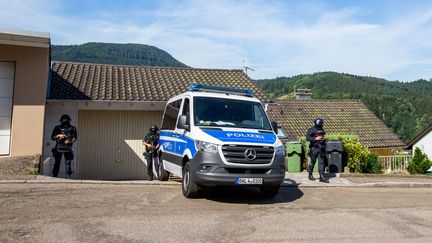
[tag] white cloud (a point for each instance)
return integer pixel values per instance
(275, 38)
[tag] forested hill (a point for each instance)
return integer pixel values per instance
(405, 107)
(109, 53)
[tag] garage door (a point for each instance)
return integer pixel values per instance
(109, 143)
(7, 71)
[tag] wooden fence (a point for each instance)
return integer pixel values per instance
(395, 164)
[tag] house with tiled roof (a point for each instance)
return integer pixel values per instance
(340, 117)
(423, 141)
(113, 106)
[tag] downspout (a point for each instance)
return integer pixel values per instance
(43, 160)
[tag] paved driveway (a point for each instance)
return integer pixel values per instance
(146, 213)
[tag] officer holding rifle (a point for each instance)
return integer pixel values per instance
(151, 143)
(317, 145)
(65, 135)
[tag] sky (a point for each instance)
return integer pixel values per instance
(390, 39)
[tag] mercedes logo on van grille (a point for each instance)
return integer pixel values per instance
(250, 154)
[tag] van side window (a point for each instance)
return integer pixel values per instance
(170, 116)
(185, 110)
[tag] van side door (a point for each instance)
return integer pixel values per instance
(181, 133)
(168, 134)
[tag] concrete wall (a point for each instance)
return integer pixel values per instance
(30, 85)
(425, 145)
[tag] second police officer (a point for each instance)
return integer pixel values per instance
(65, 135)
(317, 145)
(151, 143)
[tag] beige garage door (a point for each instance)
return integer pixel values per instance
(109, 143)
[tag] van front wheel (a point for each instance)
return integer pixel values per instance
(163, 174)
(189, 188)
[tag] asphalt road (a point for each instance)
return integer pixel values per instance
(144, 213)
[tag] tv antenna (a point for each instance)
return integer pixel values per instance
(246, 68)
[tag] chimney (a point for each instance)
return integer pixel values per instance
(303, 94)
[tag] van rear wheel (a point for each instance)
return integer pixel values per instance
(163, 175)
(189, 187)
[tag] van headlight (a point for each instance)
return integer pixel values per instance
(206, 147)
(280, 150)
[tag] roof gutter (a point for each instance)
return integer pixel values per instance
(109, 104)
(24, 38)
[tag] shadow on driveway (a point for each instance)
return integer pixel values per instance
(250, 195)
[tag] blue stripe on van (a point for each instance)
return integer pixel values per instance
(177, 147)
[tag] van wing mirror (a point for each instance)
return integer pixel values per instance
(275, 127)
(183, 122)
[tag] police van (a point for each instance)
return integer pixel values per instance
(214, 135)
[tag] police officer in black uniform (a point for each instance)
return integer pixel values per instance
(317, 145)
(151, 143)
(65, 135)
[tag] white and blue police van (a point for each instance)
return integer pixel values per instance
(213, 135)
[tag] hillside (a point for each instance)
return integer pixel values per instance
(405, 107)
(108, 53)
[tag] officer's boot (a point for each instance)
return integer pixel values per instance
(322, 178)
(311, 177)
(69, 173)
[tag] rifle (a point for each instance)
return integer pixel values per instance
(61, 146)
(152, 144)
(321, 134)
(152, 150)
(322, 142)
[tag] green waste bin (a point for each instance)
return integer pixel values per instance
(308, 159)
(293, 160)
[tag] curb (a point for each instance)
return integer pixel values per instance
(91, 182)
(366, 185)
(174, 183)
(12, 181)
(396, 185)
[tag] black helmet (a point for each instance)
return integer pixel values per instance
(65, 118)
(319, 122)
(154, 128)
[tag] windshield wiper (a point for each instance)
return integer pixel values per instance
(210, 128)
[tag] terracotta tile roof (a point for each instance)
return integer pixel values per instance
(340, 116)
(89, 81)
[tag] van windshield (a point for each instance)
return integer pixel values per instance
(229, 113)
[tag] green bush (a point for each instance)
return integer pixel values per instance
(420, 163)
(356, 154)
(372, 165)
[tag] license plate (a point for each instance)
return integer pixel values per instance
(250, 181)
